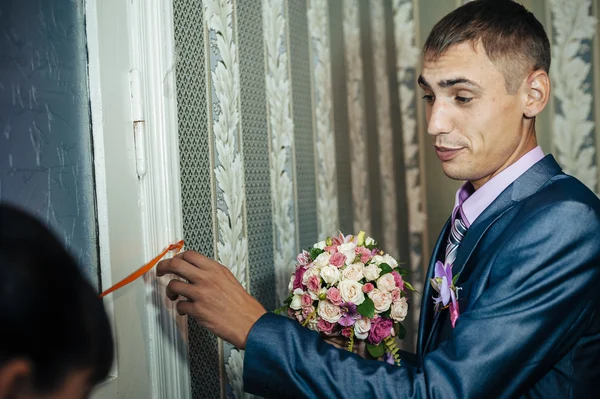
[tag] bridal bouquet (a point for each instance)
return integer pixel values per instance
(346, 286)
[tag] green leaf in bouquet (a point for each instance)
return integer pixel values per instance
(376, 350)
(387, 313)
(400, 330)
(455, 278)
(288, 300)
(281, 310)
(367, 308)
(409, 286)
(314, 252)
(403, 272)
(385, 268)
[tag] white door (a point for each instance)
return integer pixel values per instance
(137, 187)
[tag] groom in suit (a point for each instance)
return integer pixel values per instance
(524, 240)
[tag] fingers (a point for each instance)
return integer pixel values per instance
(198, 260)
(184, 308)
(338, 342)
(177, 288)
(179, 267)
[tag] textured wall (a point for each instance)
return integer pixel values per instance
(45, 135)
(299, 118)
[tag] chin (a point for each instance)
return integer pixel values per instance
(454, 173)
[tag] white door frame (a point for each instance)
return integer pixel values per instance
(131, 74)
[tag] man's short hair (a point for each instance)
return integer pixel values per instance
(513, 39)
(50, 315)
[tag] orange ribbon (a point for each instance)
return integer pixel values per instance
(142, 270)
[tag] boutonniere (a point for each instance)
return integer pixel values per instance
(444, 284)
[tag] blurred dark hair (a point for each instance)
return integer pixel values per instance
(50, 314)
(513, 39)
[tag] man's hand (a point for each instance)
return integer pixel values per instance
(341, 342)
(214, 296)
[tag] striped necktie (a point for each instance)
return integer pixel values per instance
(457, 233)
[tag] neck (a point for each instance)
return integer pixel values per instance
(527, 143)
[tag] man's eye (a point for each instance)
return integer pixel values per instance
(462, 100)
(428, 98)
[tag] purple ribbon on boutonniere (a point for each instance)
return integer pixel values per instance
(443, 283)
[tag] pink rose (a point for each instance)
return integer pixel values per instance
(325, 326)
(398, 279)
(346, 332)
(299, 316)
(298, 278)
(381, 328)
(313, 283)
(395, 294)
(368, 287)
(334, 296)
(303, 258)
(306, 300)
(337, 259)
(364, 253)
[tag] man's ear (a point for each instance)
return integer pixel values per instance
(14, 376)
(537, 91)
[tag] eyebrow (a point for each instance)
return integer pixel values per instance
(449, 82)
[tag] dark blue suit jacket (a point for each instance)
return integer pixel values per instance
(529, 325)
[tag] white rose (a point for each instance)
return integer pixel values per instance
(348, 250)
(353, 272)
(313, 271)
(312, 324)
(362, 327)
(351, 291)
(399, 309)
(329, 312)
(291, 284)
(382, 300)
(386, 283)
(322, 260)
(390, 261)
(371, 272)
(378, 259)
(320, 245)
(296, 303)
(330, 274)
(369, 241)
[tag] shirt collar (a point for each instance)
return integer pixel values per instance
(472, 203)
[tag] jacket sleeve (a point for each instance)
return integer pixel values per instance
(539, 298)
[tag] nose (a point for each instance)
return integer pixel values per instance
(438, 119)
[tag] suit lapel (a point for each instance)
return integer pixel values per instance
(527, 184)
(501, 205)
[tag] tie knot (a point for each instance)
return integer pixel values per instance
(458, 229)
(460, 226)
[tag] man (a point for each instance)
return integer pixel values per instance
(523, 239)
(56, 339)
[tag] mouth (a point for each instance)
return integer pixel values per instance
(445, 153)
